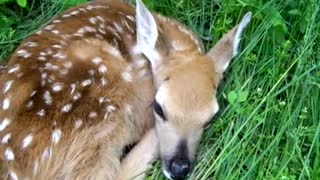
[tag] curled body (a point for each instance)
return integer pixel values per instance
(79, 90)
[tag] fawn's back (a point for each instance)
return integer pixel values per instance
(73, 95)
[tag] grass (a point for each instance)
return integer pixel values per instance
(269, 123)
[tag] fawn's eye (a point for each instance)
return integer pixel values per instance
(157, 108)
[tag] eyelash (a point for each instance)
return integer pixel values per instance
(157, 108)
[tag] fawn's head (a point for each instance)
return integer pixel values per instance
(186, 84)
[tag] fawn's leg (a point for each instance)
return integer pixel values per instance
(140, 157)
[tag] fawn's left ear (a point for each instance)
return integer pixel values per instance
(147, 33)
(227, 47)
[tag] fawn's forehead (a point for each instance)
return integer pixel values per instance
(189, 88)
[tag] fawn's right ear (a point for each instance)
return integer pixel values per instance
(227, 47)
(147, 33)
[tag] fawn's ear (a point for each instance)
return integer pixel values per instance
(227, 47)
(147, 33)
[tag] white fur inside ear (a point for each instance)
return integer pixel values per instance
(147, 33)
(243, 24)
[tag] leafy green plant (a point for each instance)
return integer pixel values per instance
(21, 3)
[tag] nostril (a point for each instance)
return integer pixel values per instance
(180, 168)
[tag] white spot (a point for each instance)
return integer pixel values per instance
(128, 108)
(102, 31)
(73, 88)
(13, 175)
(99, 36)
(57, 46)
(76, 96)
(6, 104)
(47, 153)
(91, 72)
(93, 20)
(97, 60)
(33, 93)
(49, 27)
(7, 86)
(118, 27)
(9, 154)
(56, 87)
(27, 141)
(56, 136)
(100, 18)
(86, 29)
(86, 82)
(89, 7)
(55, 31)
(29, 104)
(49, 51)
(126, 24)
(111, 108)
(102, 69)
(66, 15)
(127, 76)
(41, 113)
(6, 138)
(5, 123)
(66, 108)
(82, 9)
(51, 67)
(59, 56)
(36, 167)
(44, 75)
(23, 53)
(31, 44)
(47, 98)
(93, 114)
(113, 51)
(42, 58)
(103, 81)
(78, 123)
(67, 64)
(56, 21)
(74, 12)
(101, 100)
(14, 69)
(63, 71)
(131, 18)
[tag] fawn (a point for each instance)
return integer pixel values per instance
(101, 76)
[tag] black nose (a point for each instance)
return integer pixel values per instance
(180, 168)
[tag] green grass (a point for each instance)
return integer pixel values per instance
(269, 123)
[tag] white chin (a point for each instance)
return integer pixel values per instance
(166, 173)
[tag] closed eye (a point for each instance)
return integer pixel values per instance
(158, 109)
